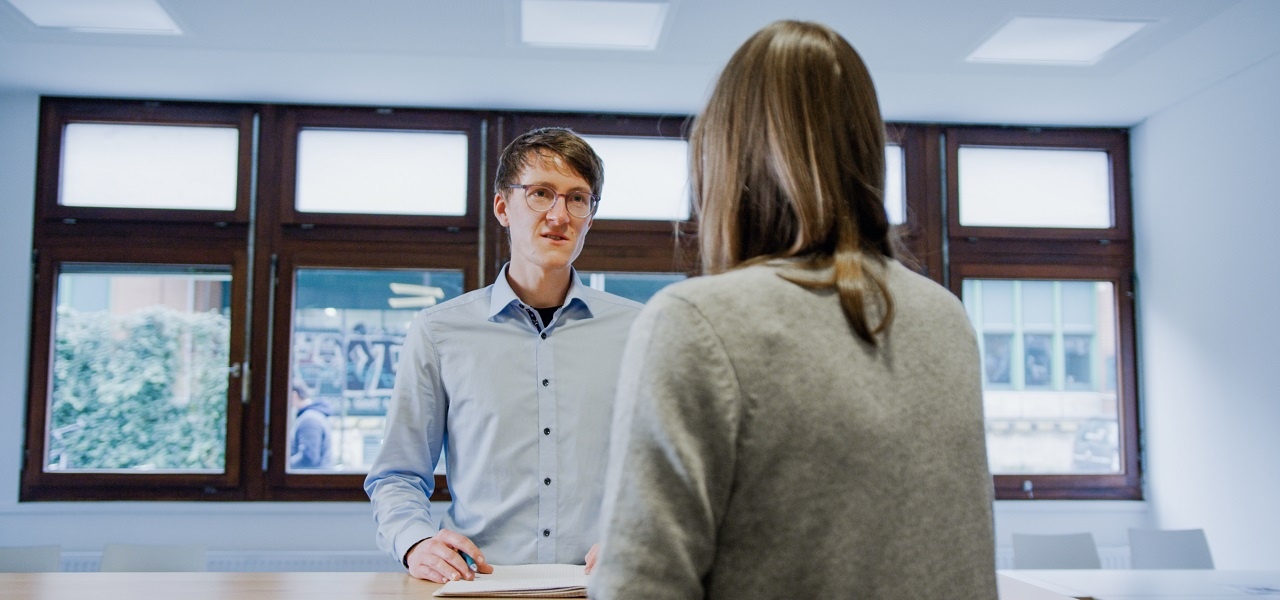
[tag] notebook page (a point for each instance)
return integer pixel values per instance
(523, 581)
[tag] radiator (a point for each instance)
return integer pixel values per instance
(1116, 557)
(256, 561)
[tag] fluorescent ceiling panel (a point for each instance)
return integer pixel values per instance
(101, 16)
(1054, 41)
(592, 24)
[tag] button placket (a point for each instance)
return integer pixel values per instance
(547, 447)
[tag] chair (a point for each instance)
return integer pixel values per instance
(145, 557)
(30, 559)
(1055, 551)
(1169, 549)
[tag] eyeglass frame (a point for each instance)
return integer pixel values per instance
(595, 200)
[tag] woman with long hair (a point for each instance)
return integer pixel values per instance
(806, 421)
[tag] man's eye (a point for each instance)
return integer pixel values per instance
(540, 193)
(583, 199)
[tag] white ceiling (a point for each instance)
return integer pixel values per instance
(467, 54)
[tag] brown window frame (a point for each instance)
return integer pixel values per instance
(293, 119)
(283, 485)
(56, 114)
(920, 237)
(266, 241)
(1059, 254)
(38, 484)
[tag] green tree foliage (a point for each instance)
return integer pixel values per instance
(141, 391)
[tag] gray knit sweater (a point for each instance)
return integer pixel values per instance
(761, 450)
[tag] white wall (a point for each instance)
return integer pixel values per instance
(1207, 190)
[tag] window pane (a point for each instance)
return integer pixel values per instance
(382, 172)
(348, 328)
(633, 286)
(140, 369)
(895, 198)
(1077, 366)
(1038, 359)
(646, 178)
(1012, 187)
(1049, 385)
(1037, 303)
(149, 166)
(1079, 307)
(996, 358)
(997, 303)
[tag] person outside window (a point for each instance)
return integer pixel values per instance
(311, 446)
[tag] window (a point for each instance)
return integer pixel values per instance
(348, 328)
(138, 349)
(151, 341)
(658, 191)
(263, 261)
(219, 282)
(633, 286)
(1040, 251)
(149, 166)
(1049, 370)
(381, 172)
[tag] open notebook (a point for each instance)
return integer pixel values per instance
(522, 581)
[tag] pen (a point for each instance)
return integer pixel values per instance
(470, 563)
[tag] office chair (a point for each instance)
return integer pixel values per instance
(30, 559)
(1169, 549)
(146, 557)
(1055, 551)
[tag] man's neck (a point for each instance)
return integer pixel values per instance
(537, 287)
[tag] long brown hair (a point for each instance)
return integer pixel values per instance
(788, 161)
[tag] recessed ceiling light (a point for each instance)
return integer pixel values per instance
(101, 16)
(1054, 41)
(592, 23)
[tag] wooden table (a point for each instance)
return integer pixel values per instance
(1010, 588)
(1153, 584)
(213, 586)
(1098, 584)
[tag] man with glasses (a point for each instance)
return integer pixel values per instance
(515, 382)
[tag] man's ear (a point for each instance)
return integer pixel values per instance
(500, 210)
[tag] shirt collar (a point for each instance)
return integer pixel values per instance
(502, 296)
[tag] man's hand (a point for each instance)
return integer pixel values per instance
(437, 558)
(592, 555)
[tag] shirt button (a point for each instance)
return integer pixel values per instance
(546, 382)
(546, 533)
(546, 481)
(544, 336)
(546, 431)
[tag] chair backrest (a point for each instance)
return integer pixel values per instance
(146, 557)
(30, 559)
(1055, 551)
(1169, 549)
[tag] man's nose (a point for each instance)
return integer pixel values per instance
(558, 212)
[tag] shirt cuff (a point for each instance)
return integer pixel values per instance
(411, 535)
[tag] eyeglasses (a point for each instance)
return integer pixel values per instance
(541, 198)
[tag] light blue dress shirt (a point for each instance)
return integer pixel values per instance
(523, 410)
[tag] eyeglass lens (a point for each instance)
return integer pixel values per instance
(542, 198)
